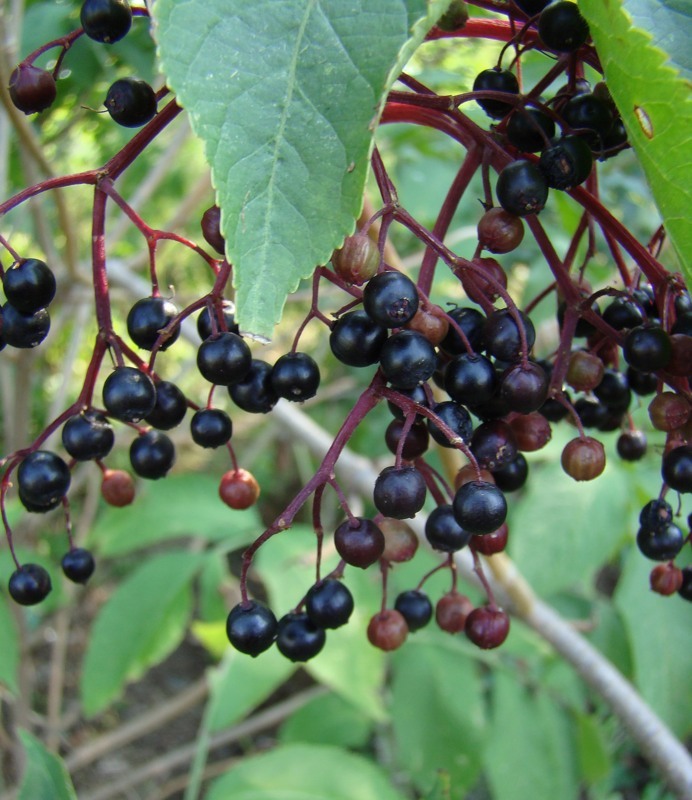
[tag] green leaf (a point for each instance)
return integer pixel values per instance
(182, 505)
(9, 647)
(656, 108)
(141, 623)
(240, 683)
(661, 641)
(668, 21)
(286, 97)
(327, 720)
(45, 775)
(437, 712)
(594, 759)
(531, 752)
(304, 772)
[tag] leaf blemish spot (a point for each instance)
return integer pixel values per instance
(644, 122)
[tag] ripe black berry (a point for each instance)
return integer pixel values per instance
(211, 230)
(129, 394)
(479, 507)
(471, 322)
(521, 188)
(152, 454)
(356, 339)
(224, 358)
(502, 334)
(255, 393)
(415, 444)
(631, 445)
(623, 314)
(407, 359)
(399, 492)
(131, 102)
(227, 313)
(512, 476)
(662, 544)
(359, 542)
(529, 129)
(647, 348)
(562, 27)
(31, 88)
(43, 479)
(685, 590)
(641, 383)
(493, 444)
(78, 565)
(676, 468)
(531, 7)
(329, 603)
(106, 21)
(211, 427)
(29, 584)
(251, 628)
(655, 514)
(496, 80)
(298, 638)
(566, 163)
(391, 299)
(614, 391)
(88, 436)
(590, 112)
(444, 532)
(415, 607)
(524, 388)
(146, 320)
(29, 285)
(454, 416)
(24, 330)
(470, 378)
(170, 407)
(296, 377)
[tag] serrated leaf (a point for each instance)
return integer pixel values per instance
(9, 647)
(656, 108)
(668, 21)
(304, 772)
(182, 505)
(286, 97)
(45, 775)
(140, 624)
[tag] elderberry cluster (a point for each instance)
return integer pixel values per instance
(462, 375)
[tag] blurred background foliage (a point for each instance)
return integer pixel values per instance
(438, 719)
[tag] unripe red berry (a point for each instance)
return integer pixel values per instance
(387, 630)
(239, 489)
(32, 89)
(487, 627)
(665, 579)
(583, 458)
(452, 610)
(357, 260)
(117, 487)
(669, 411)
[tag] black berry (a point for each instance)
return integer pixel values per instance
(298, 638)
(562, 27)
(329, 603)
(255, 393)
(356, 339)
(224, 358)
(496, 80)
(391, 299)
(129, 394)
(106, 21)
(399, 492)
(131, 102)
(359, 541)
(479, 507)
(29, 584)
(415, 607)
(152, 455)
(170, 407)
(444, 532)
(521, 188)
(88, 436)
(24, 331)
(227, 314)
(407, 359)
(251, 628)
(31, 88)
(29, 285)
(78, 565)
(211, 427)
(295, 377)
(147, 319)
(43, 479)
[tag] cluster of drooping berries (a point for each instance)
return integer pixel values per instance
(463, 378)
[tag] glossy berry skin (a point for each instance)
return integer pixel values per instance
(359, 542)
(416, 395)
(43, 479)
(493, 444)
(224, 359)
(685, 590)
(479, 507)
(502, 335)
(387, 630)
(298, 638)
(400, 542)
(641, 383)
(472, 323)
(614, 391)
(29, 285)
(251, 628)
(496, 80)
(131, 102)
(531, 7)
(296, 377)
(528, 130)
(129, 394)
(443, 532)
(665, 579)
(415, 607)
(566, 163)
(88, 436)
(170, 407)
(524, 388)
(255, 393)
(470, 378)
(415, 444)
(512, 476)
(623, 314)
(491, 543)
(583, 458)
(211, 427)
(227, 313)
(390, 299)
(647, 348)
(562, 27)
(78, 565)
(451, 612)
(399, 492)
(329, 603)
(662, 544)
(631, 445)
(147, 318)
(152, 455)
(356, 339)
(487, 627)
(455, 417)
(521, 188)
(239, 489)
(105, 21)
(656, 514)
(499, 231)
(676, 469)
(117, 488)
(407, 359)
(31, 88)
(29, 585)
(590, 112)
(211, 230)
(357, 260)
(24, 331)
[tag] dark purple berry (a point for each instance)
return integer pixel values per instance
(105, 21)
(359, 541)
(211, 427)
(356, 339)
(29, 584)
(407, 359)
(647, 348)
(443, 532)
(251, 628)
(562, 27)
(656, 514)
(24, 331)
(415, 607)
(479, 507)
(31, 88)
(211, 230)
(662, 544)
(676, 469)
(455, 417)
(487, 627)
(88, 436)
(227, 314)
(131, 102)
(502, 334)
(329, 603)
(399, 492)
(493, 444)
(496, 80)
(29, 285)
(471, 322)
(298, 638)
(224, 359)
(512, 476)
(255, 393)
(78, 565)
(566, 162)
(416, 442)
(631, 445)
(622, 314)
(129, 394)
(521, 188)
(152, 455)
(524, 387)
(296, 377)
(470, 379)
(43, 479)
(170, 407)
(390, 299)
(147, 319)
(529, 129)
